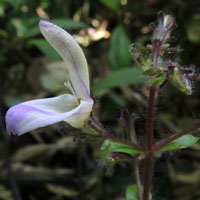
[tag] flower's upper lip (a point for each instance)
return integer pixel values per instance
(46, 24)
(72, 54)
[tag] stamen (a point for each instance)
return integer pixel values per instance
(69, 86)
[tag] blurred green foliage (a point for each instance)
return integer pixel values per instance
(47, 164)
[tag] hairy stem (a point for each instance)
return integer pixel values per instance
(149, 119)
(106, 135)
(173, 137)
(148, 168)
(148, 176)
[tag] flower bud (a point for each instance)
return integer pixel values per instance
(163, 30)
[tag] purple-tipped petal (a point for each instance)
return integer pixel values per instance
(16, 113)
(34, 114)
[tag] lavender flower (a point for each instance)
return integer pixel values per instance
(72, 108)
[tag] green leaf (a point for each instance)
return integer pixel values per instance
(132, 193)
(153, 72)
(181, 81)
(31, 32)
(180, 143)
(46, 49)
(109, 147)
(112, 4)
(119, 78)
(16, 4)
(157, 81)
(119, 56)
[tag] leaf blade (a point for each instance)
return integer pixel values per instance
(180, 143)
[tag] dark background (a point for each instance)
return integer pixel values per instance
(51, 163)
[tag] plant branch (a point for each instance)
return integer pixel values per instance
(107, 136)
(173, 137)
(137, 175)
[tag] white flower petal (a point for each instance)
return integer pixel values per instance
(72, 54)
(34, 114)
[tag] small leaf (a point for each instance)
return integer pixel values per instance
(119, 78)
(123, 148)
(157, 81)
(132, 193)
(109, 147)
(112, 4)
(119, 56)
(180, 143)
(152, 72)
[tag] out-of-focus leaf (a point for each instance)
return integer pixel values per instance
(68, 23)
(65, 23)
(109, 147)
(10, 100)
(32, 31)
(132, 193)
(119, 78)
(28, 173)
(50, 83)
(119, 56)
(193, 29)
(180, 143)
(20, 25)
(2, 12)
(45, 48)
(112, 4)
(61, 190)
(31, 151)
(57, 74)
(15, 3)
(5, 194)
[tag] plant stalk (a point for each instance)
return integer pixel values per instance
(173, 137)
(148, 168)
(108, 136)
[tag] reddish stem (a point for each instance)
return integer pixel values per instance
(148, 168)
(173, 137)
(107, 136)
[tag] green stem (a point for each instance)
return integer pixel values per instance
(137, 175)
(173, 137)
